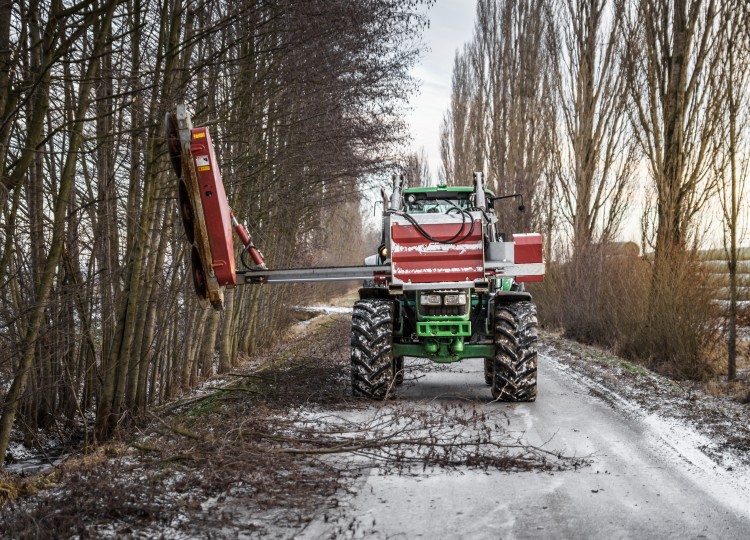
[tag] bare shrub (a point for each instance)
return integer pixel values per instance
(743, 316)
(606, 295)
(738, 390)
(603, 294)
(548, 295)
(598, 296)
(679, 329)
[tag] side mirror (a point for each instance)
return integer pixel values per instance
(517, 196)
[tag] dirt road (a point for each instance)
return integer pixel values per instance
(279, 449)
(650, 476)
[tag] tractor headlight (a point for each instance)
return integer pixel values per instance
(430, 300)
(455, 299)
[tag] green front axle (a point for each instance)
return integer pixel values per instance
(444, 354)
(443, 339)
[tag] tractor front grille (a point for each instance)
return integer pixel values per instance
(440, 311)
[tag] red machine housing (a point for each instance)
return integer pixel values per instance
(415, 259)
(215, 206)
(527, 249)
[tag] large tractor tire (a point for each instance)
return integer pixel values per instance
(515, 362)
(372, 354)
(489, 370)
(398, 370)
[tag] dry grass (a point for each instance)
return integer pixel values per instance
(738, 390)
(13, 487)
(664, 318)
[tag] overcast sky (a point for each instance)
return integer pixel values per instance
(451, 25)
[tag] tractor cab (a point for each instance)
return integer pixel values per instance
(442, 199)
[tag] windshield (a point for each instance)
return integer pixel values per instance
(423, 204)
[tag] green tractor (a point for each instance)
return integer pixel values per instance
(445, 284)
(454, 289)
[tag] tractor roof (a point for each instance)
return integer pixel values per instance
(443, 189)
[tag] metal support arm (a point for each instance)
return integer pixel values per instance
(304, 275)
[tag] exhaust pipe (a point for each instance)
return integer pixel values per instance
(397, 201)
(479, 199)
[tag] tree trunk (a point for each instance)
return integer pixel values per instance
(226, 358)
(44, 287)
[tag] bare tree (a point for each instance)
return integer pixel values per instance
(598, 151)
(501, 118)
(459, 151)
(62, 197)
(734, 169)
(674, 62)
(303, 100)
(673, 52)
(416, 169)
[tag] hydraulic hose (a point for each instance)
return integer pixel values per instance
(455, 239)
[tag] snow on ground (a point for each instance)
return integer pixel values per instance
(649, 475)
(327, 310)
(47, 453)
(318, 311)
(722, 471)
(645, 456)
(695, 430)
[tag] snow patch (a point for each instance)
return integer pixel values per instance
(326, 310)
(677, 441)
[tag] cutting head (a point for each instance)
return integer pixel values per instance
(202, 205)
(186, 211)
(199, 274)
(172, 135)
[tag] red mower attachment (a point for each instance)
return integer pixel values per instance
(215, 207)
(204, 208)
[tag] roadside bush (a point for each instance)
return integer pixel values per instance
(548, 297)
(597, 297)
(743, 315)
(609, 296)
(680, 334)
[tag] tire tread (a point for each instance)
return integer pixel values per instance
(372, 353)
(515, 362)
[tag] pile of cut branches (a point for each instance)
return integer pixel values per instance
(268, 449)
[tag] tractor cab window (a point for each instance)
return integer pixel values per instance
(418, 203)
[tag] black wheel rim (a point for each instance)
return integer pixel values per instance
(199, 274)
(186, 211)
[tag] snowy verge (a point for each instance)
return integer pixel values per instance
(708, 434)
